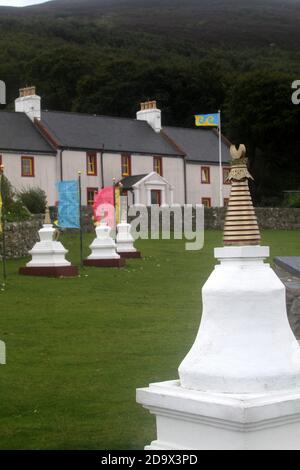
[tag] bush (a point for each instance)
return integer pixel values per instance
(292, 199)
(34, 199)
(13, 208)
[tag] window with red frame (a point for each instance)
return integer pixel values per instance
(91, 164)
(157, 165)
(156, 196)
(126, 165)
(90, 195)
(27, 166)
(206, 201)
(205, 175)
(226, 172)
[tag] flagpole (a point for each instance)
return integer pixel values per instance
(220, 162)
(3, 226)
(80, 218)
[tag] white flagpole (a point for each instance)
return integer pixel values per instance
(220, 162)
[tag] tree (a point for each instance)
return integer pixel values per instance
(260, 114)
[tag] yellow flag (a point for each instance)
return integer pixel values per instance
(117, 204)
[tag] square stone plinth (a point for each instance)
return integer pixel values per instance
(105, 263)
(130, 254)
(49, 271)
(194, 420)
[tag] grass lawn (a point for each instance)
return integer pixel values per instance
(78, 348)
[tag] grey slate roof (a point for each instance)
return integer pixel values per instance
(129, 181)
(18, 133)
(200, 145)
(91, 132)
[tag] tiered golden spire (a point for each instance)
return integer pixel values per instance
(241, 226)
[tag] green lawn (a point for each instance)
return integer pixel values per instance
(78, 348)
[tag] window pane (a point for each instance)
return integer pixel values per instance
(90, 196)
(226, 172)
(155, 197)
(157, 165)
(206, 202)
(27, 167)
(205, 174)
(92, 164)
(125, 165)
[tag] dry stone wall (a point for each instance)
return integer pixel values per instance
(21, 236)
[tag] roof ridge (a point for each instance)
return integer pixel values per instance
(76, 113)
(188, 128)
(7, 111)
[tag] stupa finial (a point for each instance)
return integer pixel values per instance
(47, 220)
(241, 226)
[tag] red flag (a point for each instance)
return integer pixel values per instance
(104, 203)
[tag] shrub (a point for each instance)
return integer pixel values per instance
(34, 199)
(292, 199)
(13, 208)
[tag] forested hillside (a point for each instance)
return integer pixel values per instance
(105, 56)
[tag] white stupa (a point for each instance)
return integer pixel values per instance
(48, 255)
(103, 249)
(239, 385)
(124, 240)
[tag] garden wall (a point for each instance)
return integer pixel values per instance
(21, 236)
(268, 218)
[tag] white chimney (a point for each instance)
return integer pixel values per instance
(29, 103)
(151, 114)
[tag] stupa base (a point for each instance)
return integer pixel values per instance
(49, 271)
(192, 420)
(105, 263)
(130, 254)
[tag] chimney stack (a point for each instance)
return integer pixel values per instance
(29, 103)
(150, 113)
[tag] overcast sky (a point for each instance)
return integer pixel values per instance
(20, 3)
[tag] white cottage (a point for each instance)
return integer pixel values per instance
(168, 164)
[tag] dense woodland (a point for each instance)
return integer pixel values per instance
(192, 56)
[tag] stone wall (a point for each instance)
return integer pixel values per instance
(21, 236)
(268, 218)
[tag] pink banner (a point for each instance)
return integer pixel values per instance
(104, 204)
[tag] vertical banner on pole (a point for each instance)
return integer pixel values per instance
(104, 202)
(68, 204)
(214, 120)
